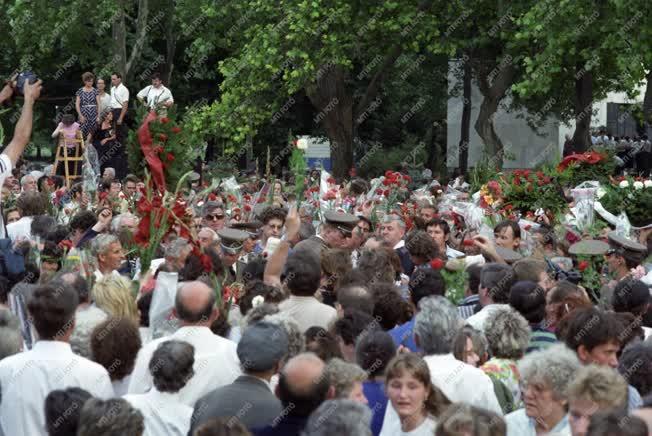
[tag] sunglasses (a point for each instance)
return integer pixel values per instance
(211, 217)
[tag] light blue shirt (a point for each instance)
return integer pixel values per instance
(519, 424)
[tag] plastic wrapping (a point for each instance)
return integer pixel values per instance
(584, 197)
(161, 320)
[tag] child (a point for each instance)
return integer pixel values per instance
(71, 131)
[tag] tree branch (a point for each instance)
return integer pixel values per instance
(141, 25)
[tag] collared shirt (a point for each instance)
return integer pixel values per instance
(451, 253)
(308, 312)
(154, 96)
(164, 413)
(216, 363)
(477, 321)
(27, 378)
(519, 424)
(119, 95)
(399, 244)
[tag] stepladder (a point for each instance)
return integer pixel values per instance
(69, 158)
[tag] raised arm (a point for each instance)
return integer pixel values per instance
(23, 131)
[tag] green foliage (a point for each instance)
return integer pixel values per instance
(526, 192)
(379, 160)
(455, 285)
(635, 200)
(481, 173)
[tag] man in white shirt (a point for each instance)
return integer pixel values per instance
(439, 231)
(156, 96)
(171, 367)
(29, 204)
(303, 274)
(22, 132)
(119, 105)
(216, 360)
(27, 378)
(496, 280)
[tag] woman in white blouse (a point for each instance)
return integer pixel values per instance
(415, 399)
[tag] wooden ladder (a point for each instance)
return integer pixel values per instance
(63, 157)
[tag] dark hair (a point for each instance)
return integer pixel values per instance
(32, 204)
(374, 351)
(62, 410)
(67, 119)
(473, 276)
(131, 178)
(306, 401)
(590, 327)
(632, 330)
(352, 324)
(52, 308)
(419, 244)
(425, 282)
(355, 277)
(529, 269)
(516, 230)
(355, 297)
(4, 289)
(322, 343)
(272, 212)
(529, 299)
(52, 253)
(41, 224)
(359, 186)
(58, 233)
(222, 427)
(143, 304)
(636, 363)
(87, 76)
(254, 270)
(41, 180)
(438, 222)
(155, 75)
(631, 296)
(110, 417)
(390, 309)
(83, 220)
(302, 273)
(172, 365)
(115, 343)
(116, 74)
(498, 278)
(187, 315)
(616, 423)
(253, 289)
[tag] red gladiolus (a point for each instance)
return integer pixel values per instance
(468, 242)
(540, 175)
(158, 149)
(517, 180)
(583, 265)
(437, 263)
(165, 120)
(176, 129)
(386, 192)
(330, 181)
(169, 157)
(247, 208)
(162, 137)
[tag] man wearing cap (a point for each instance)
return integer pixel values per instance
(232, 242)
(622, 256)
(252, 228)
(213, 215)
(393, 230)
(335, 232)
(261, 351)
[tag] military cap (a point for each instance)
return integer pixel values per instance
(589, 247)
(251, 227)
(232, 240)
(620, 242)
(344, 222)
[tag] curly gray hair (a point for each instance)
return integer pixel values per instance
(436, 325)
(343, 375)
(296, 341)
(339, 417)
(508, 333)
(101, 243)
(555, 367)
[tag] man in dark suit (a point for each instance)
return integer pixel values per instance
(393, 230)
(261, 350)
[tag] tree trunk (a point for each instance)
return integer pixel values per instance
(335, 112)
(493, 87)
(142, 32)
(465, 134)
(583, 109)
(170, 44)
(119, 35)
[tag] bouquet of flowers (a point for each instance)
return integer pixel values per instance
(592, 165)
(528, 191)
(632, 196)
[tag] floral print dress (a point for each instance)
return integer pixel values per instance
(505, 371)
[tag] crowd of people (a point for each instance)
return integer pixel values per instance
(289, 320)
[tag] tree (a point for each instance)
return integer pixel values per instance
(338, 52)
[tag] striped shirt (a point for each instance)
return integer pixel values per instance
(540, 339)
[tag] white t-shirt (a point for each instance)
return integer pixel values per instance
(119, 95)
(427, 428)
(154, 96)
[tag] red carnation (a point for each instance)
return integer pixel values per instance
(437, 263)
(539, 175)
(330, 181)
(212, 197)
(386, 192)
(407, 178)
(526, 173)
(231, 198)
(247, 197)
(165, 120)
(158, 149)
(388, 173)
(379, 191)
(583, 265)
(176, 129)
(169, 157)
(517, 180)
(387, 182)
(66, 244)
(509, 207)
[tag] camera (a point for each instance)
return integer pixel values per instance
(22, 78)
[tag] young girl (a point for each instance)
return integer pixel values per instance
(71, 131)
(415, 399)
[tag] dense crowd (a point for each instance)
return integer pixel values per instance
(279, 316)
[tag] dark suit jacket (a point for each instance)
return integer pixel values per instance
(288, 426)
(313, 245)
(406, 262)
(247, 398)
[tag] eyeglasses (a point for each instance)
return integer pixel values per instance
(211, 217)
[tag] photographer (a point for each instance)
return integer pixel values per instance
(22, 132)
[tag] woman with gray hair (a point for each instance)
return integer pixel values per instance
(508, 334)
(545, 376)
(346, 378)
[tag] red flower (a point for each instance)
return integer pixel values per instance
(527, 227)
(388, 173)
(540, 175)
(330, 195)
(247, 208)
(436, 263)
(379, 191)
(387, 182)
(165, 120)
(176, 129)
(231, 198)
(407, 178)
(212, 197)
(468, 242)
(158, 149)
(509, 207)
(583, 265)
(330, 181)
(386, 192)
(169, 157)
(206, 262)
(66, 244)
(517, 180)
(526, 173)
(247, 197)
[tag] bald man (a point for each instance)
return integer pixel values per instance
(216, 359)
(302, 387)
